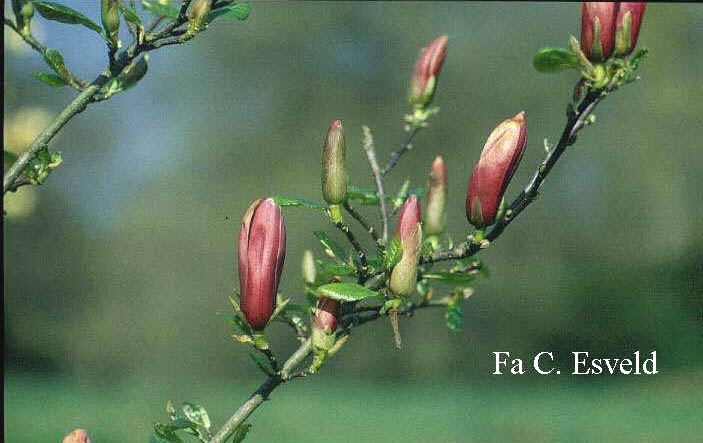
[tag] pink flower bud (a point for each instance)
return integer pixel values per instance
(598, 29)
(435, 217)
(409, 232)
(334, 170)
(326, 316)
(77, 436)
(262, 250)
(424, 80)
(627, 27)
(499, 160)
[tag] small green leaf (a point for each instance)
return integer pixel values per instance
(555, 59)
(197, 414)
(60, 13)
(129, 14)
(393, 253)
(9, 158)
(240, 432)
(450, 277)
(340, 269)
(239, 11)
(364, 196)
(49, 79)
(292, 201)
(160, 10)
(347, 292)
(180, 423)
(261, 363)
(164, 433)
(454, 318)
(636, 59)
(331, 248)
(54, 59)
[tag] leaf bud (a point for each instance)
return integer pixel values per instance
(627, 27)
(424, 80)
(262, 251)
(110, 16)
(24, 10)
(409, 232)
(598, 29)
(500, 158)
(435, 216)
(324, 325)
(334, 170)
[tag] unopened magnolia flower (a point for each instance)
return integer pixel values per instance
(262, 251)
(609, 28)
(427, 67)
(627, 27)
(435, 216)
(409, 232)
(334, 170)
(490, 177)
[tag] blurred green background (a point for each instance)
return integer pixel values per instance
(115, 270)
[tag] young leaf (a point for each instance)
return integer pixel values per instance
(197, 414)
(331, 248)
(129, 15)
(454, 318)
(64, 14)
(239, 11)
(340, 269)
(240, 432)
(291, 201)
(160, 10)
(393, 253)
(49, 79)
(347, 292)
(450, 277)
(163, 433)
(54, 59)
(555, 59)
(363, 195)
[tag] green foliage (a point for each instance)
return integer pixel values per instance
(196, 422)
(160, 10)
(341, 269)
(129, 14)
(331, 247)
(39, 169)
(64, 14)
(454, 318)
(240, 432)
(347, 292)
(555, 59)
(292, 201)
(54, 59)
(197, 414)
(392, 254)
(9, 158)
(49, 79)
(452, 278)
(240, 11)
(364, 196)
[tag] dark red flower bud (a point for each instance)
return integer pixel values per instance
(499, 160)
(334, 170)
(77, 436)
(326, 316)
(262, 250)
(435, 216)
(627, 27)
(409, 232)
(598, 29)
(424, 80)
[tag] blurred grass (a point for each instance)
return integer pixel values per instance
(665, 409)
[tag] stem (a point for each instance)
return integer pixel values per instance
(574, 123)
(404, 147)
(376, 171)
(363, 271)
(363, 222)
(352, 320)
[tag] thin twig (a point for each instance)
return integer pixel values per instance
(378, 177)
(404, 147)
(364, 268)
(363, 222)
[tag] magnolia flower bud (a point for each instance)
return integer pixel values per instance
(24, 10)
(435, 217)
(198, 13)
(627, 27)
(598, 29)
(424, 79)
(409, 232)
(334, 171)
(111, 19)
(262, 250)
(308, 267)
(499, 160)
(77, 436)
(324, 325)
